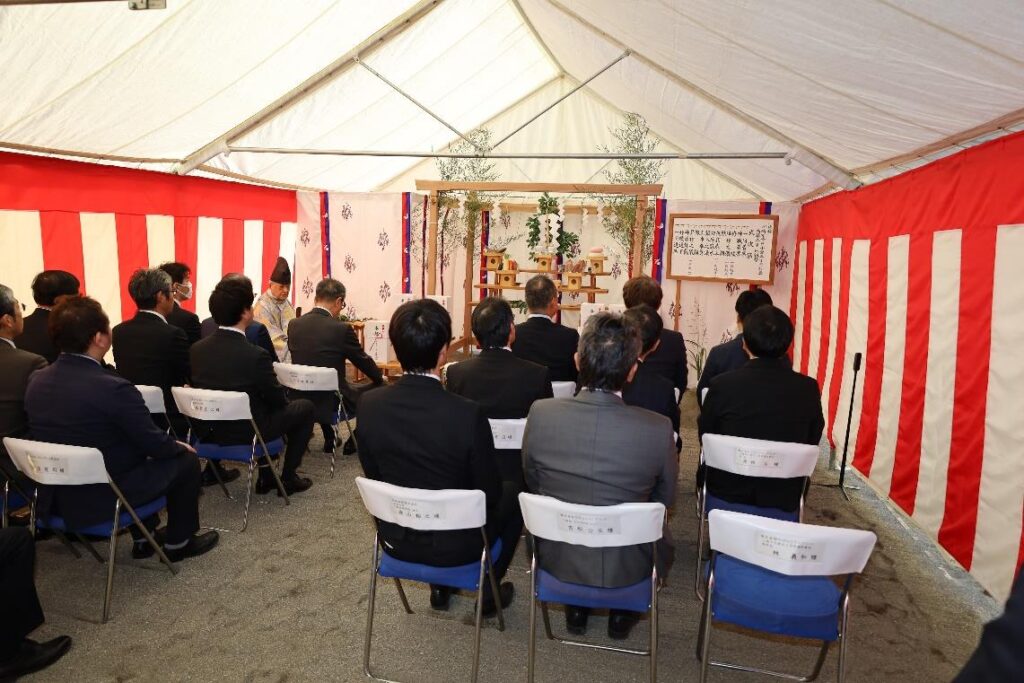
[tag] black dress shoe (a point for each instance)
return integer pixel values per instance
(620, 623)
(292, 485)
(197, 545)
(506, 592)
(141, 549)
(576, 619)
(32, 656)
(226, 475)
(440, 597)
(350, 447)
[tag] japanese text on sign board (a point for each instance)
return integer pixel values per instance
(416, 509)
(723, 248)
(592, 525)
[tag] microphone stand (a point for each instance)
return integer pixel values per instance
(846, 445)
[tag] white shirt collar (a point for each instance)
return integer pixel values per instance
(9, 341)
(159, 315)
(541, 315)
(426, 374)
(232, 329)
(83, 355)
(614, 393)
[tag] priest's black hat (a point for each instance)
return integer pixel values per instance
(282, 274)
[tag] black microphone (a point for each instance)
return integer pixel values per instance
(856, 361)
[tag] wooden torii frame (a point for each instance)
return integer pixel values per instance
(642, 192)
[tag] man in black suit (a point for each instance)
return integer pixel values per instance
(19, 603)
(77, 402)
(320, 339)
(540, 339)
(503, 385)
(226, 361)
(149, 350)
(764, 399)
(730, 355)
(49, 288)
(181, 290)
(1000, 653)
(15, 368)
(255, 332)
(648, 389)
(669, 359)
(415, 434)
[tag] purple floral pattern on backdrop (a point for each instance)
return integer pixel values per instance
(782, 259)
(346, 211)
(307, 287)
(384, 292)
(304, 237)
(732, 287)
(350, 263)
(616, 270)
(383, 240)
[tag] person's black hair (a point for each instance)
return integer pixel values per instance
(492, 322)
(768, 332)
(74, 322)
(50, 284)
(608, 350)
(230, 299)
(145, 284)
(540, 292)
(647, 323)
(750, 300)
(642, 289)
(177, 270)
(329, 289)
(418, 331)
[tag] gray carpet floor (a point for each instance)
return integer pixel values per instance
(286, 601)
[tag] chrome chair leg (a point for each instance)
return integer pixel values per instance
(654, 624)
(69, 545)
(111, 562)
(480, 614)
(698, 580)
(369, 609)
(841, 673)
(89, 546)
(3, 511)
(334, 451)
(532, 656)
(493, 580)
(705, 635)
(248, 495)
(270, 464)
(401, 594)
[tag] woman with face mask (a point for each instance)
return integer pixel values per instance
(181, 290)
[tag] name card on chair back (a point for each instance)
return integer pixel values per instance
(57, 464)
(209, 404)
(423, 509)
(306, 377)
(759, 458)
(594, 526)
(508, 434)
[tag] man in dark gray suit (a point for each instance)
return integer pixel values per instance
(15, 367)
(634, 461)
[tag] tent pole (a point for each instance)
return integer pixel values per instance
(562, 98)
(512, 155)
(412, 99)
(817, 163)
(309, 86)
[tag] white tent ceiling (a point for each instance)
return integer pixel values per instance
(852, 91)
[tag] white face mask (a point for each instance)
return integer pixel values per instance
(185, 292)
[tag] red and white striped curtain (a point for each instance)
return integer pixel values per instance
(101, 223)
(918, 273)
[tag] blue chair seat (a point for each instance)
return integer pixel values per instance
(760, 599)
(464, 577)
(239, 453)
(715, 503)
(104, 528)
(635, 598)
(15, 501)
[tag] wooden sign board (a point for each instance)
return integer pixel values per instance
(722, 247)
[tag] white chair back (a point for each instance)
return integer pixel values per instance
(56, 464)
(788, 547)
(759, 458)
(424, 509)
(508, 434)
(208, 404)
(594, 526)
(154, 398)
(306, 377)
(563, 389)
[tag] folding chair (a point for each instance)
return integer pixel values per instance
(563, 389)
(777, 577)
(750, 458)
(426, 510)
(58, 465)
(312, 378)
(154, 398)
(14, 498)
(611, 526)
(224, 406)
